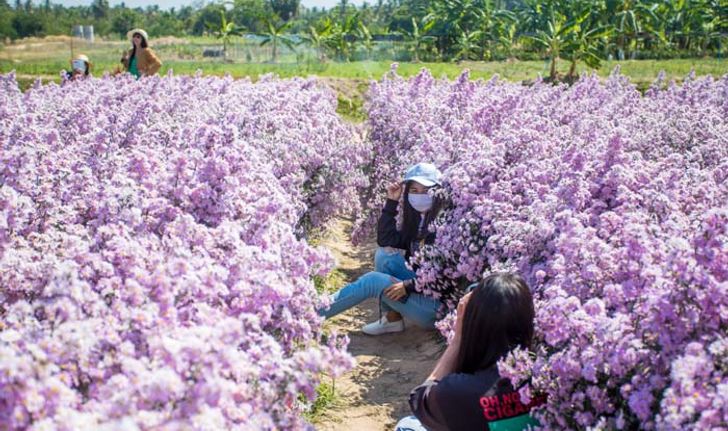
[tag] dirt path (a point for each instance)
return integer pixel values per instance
(373, 396)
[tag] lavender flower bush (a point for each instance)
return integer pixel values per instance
(152, 264)
(614, 207)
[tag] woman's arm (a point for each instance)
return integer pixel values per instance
(446, 364)
(387, 233)
(426, 400)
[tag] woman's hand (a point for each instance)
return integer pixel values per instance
(396, 291)
(394, 191)
(461, 316)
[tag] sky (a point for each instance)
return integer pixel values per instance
(166, 4)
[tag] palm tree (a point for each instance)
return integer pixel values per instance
(275, 35)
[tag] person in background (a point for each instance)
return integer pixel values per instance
(80, 68)
(465, 391)
(392, 281)
(140, 60)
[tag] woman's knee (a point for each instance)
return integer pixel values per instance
(375, 282)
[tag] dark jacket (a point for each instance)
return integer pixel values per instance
(480, 401)
(389, 236)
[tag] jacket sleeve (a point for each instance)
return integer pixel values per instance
(387, 233)
(425, 406)
(153, 62)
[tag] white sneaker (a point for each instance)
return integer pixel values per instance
(383, 326)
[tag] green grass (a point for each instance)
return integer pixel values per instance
(326, 398)
(330, 283)
(637, 70)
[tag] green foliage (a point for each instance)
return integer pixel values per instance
(326, 398)
(124, 20)
(225, 31)
(577, 32)
(275, 35)
(285, 9)
(329, 283)
(252, 14)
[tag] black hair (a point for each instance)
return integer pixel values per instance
(411, 217)
(498, 318)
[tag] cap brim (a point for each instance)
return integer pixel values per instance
(422, 180)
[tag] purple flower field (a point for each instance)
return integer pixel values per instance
(612, 204)
(152, 266)
(155, 269)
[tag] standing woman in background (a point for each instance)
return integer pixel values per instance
(140, 60)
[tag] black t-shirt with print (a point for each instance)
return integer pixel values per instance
(480, 401)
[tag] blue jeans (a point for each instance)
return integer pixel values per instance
(389, 268)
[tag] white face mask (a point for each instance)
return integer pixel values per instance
(420, 202)
(79, 65)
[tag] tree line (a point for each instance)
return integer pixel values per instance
(575, 31)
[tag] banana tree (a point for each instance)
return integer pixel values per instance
(584, 46)
(633, 21)
(467, 45)
(418, 37)
(275, 35)
(364, 37)
(456, 21)
(695, 24)
(344, 36)
(226, 31)
(320, 40)
(505, 30)
(553, 38)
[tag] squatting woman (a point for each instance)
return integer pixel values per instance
(392, 281)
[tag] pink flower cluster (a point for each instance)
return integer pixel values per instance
(153, 266)
(612, 204)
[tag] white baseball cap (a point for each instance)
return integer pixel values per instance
(426, 174)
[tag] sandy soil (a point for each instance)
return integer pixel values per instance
(373, 396)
